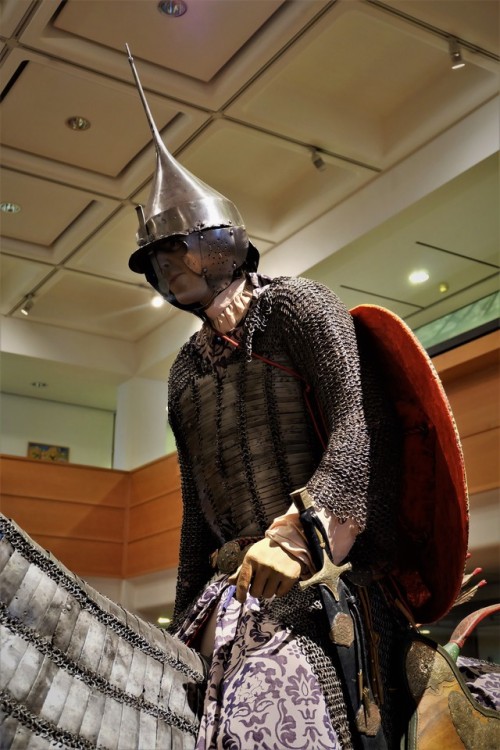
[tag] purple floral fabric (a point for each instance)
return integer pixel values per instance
(262, 692)
(483, 680)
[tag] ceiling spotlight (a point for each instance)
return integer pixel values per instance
(157, 300)
(455, 53)
(78, 123)
(173, 8)
(28, 304)
(418, 277)
(443, 287)
(10, 208)
(317, 160)
(163, 620)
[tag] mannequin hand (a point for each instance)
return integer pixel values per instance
(266, 570)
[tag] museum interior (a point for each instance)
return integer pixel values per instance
(359, 140)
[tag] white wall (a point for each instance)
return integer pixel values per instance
(88, 433)
(141, 422)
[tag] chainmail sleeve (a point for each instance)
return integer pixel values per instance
(319, 334)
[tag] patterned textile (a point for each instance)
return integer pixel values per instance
(483, 680)
(261, 690)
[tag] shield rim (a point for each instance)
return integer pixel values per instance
(412, 376)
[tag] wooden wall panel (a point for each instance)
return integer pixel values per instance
(475, 401)
(469, 375)
(65, 518)
(153, 553)
(76, 512)
(164, 513)
(85, 557)
(154, 518)
(477, 355)
(481, 454)
(155, 479)
(84, 484)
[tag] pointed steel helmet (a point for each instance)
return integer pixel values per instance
(181, 204)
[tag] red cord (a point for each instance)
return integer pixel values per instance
(307, 390)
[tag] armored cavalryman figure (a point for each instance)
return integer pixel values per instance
(319, 463)
(292, 460)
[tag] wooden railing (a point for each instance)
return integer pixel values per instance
(76, 512)
(98, 522)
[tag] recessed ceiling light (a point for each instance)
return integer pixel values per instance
(10, 208)
(78, 123)
(418, 277)
(173, 8)
(163, 620)
(444, 287)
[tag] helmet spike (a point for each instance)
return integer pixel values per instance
(152, 125)
(179, 203)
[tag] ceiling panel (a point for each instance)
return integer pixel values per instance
(462, 217)
(107, 252)
(352, 298)
(13, 12)
(288, 21)
(54, 219)
(346, 85)
(390, 277)
(453, 233)
(96, 305)
(56, 93)
(17, 279)
(289, 190)
(164, 40)
(478, 21)
(454, 301)
(38, 222)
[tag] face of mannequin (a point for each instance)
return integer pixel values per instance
(187, 287)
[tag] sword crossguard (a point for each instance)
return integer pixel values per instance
(327, 576)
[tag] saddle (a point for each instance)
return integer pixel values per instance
(446, 716)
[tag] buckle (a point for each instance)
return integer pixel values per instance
(231, 554)
(229, 557)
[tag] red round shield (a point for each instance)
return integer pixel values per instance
(433, 515)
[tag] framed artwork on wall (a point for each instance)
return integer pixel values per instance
(45, 452)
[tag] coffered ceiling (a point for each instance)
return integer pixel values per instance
(243, 91)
